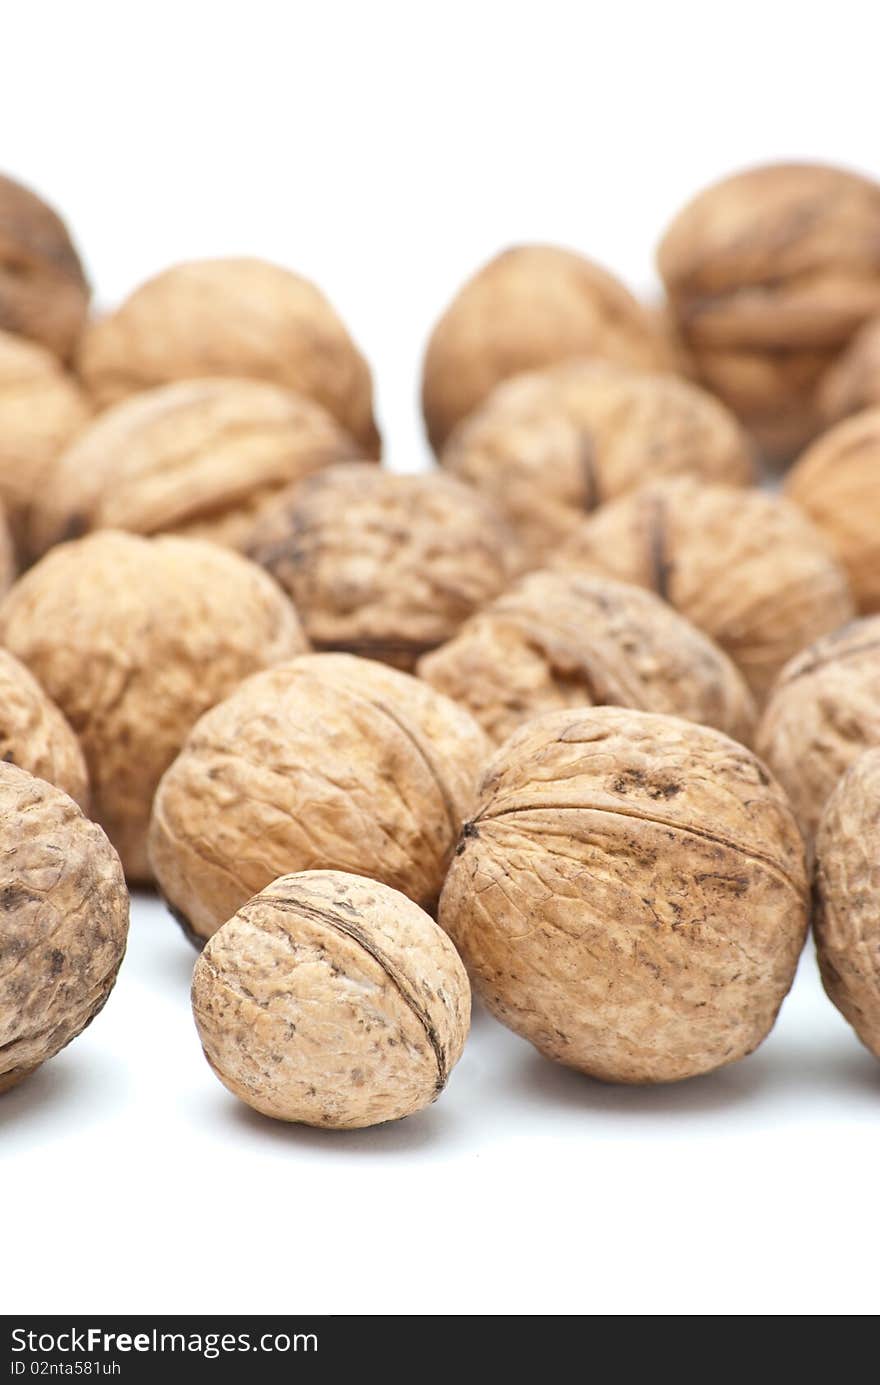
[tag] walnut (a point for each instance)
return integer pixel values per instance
(824, 711)
(771, 272)
(837, 483)
(327, 761)
(199, 457)
(35, 736)
(331, 1000)
(631, 894)
(44, 294)
(568, 639)
(531, 306)
(133, 639)
(384, 565)
(63, 926)
(853, 382)
(550, 446)
(236, 317)
(846, 920)
(747, 567)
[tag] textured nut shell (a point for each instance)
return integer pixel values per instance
(133, 639)
(568, 639)
(631, 895)
(44, 294)
(332, 1000)
(846, 921)
(529, 307)
(235, 317)
(824, 711)
(384, 565)
(35, 736)
(550, 446)
(8, 564)
(853, 382)
(63, 926)
(198, 457)
(746, 567)
(326, 762)
(837, 483)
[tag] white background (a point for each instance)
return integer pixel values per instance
(385, 150)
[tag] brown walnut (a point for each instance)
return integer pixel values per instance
(35, 736)
(853, 382)
(44, 294)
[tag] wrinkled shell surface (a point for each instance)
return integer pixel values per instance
(44, 294)
(846, 922)
(631, 894)
(568, 639)
(551, 446)
(236, 317)
(133, 639)
(529, 307)
(853, 382)
(746, 567)
(326, 762)
(199, 457)
(332, 1000)
(35, 736)
(384, 565)
(63, 924)
(824, 711)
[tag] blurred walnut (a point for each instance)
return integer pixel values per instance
(746, 567)
(44, 294)
(35, 736)
(853, 382)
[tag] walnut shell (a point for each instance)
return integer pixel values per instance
(325, 762)
(238, 317)
(550, 446)
(198, 457)
(770, 272)
(747, 567)
(63, 926)
(824, 711)
(846, 920)
(384, 565)
(853, 382)
(631, 895)
(35, 736)
(44, 293)
(133, 639)
(568, 639)
(331, 1000)
(529, 307)
(837, 483)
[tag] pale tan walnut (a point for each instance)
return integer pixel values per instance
(631, 894)
(569, 639)
(824, 711)
(745, 566)
(837, 483)
(64, 922)
(551, 446)
(328, 761)
(531, 306)
(234, 317)
(44, 294)
(331, 1000)
(771, 272)
(846, 920)
(198, 457)
(853, 382)
(35, 736)
(133, 639)
(384, 565)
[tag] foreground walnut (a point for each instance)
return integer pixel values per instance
(384, 565)
(44, 293)
(568, 639)
(846, 921)
(748, 568)
(34, 734)
(331, 1000)
(631, 894)
(531, 306)
(200, 457)
(133, 639)
(853, 382)
(231, 317)
(771, 272)
(63, 926)
(552, 445)
(327, 761)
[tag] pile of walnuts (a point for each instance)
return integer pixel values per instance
(586, 717)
